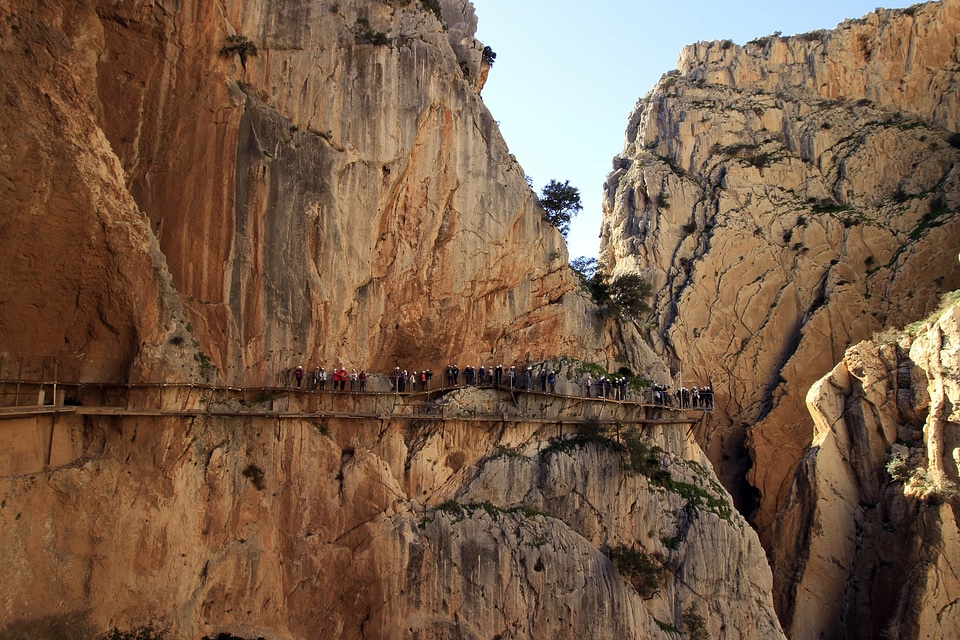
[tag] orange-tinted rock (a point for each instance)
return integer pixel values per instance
(341, 195)
(377, 528)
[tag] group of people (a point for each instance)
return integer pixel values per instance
(608, 387)
(501, 376)
(614, 388)
(340, 377)
(399, 380)
(683, 398)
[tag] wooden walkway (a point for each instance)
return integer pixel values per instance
(192, 400)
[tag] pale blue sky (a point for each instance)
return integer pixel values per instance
(567, 74)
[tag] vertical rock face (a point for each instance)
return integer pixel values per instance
(869, 539)
(309, 181)
(81, 274)
(252, 185)
(379, 530)
(788, 198)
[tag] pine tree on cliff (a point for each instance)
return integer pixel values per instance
(560, 202)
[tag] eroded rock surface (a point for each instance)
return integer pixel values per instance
(869, 538)
(388, 529)
(788, 198)
(255, 185)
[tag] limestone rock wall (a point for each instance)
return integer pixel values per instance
(788, 198)
(872, 510)
(81, 274)
(255, 185)
(299, 528)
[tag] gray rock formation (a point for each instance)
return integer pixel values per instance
(787, 198)
(869, 538)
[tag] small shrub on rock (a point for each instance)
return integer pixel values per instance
(644, 574)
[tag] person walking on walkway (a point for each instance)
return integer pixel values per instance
(298, 374)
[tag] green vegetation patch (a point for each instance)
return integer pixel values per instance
(695, 624)
(146, 632)
(939, 213)
(433, 6)
(947, 300)
(208, 370)
(566, 445)
(669, 628)
(464, 510)
(256, 476)
(641, 570)
(364, 34)
(647, 461)
(241, 46)
(504, 451)
(827, 206)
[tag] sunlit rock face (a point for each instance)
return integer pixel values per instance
(293, 528)
(255, 185)
(868, 540)
(788, 198)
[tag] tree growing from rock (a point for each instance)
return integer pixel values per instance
(624, 296)
(560, 202)
(585, 267)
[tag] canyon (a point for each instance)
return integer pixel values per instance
(198, 197)
(788, 198)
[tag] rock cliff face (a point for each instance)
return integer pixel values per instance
(378, 529)
(787, 198)
(255, 185)
(872, 511)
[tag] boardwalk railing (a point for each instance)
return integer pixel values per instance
(39, 383)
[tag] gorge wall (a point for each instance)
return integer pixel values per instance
(221, 191)
(868, 539)
(255, 185)
(394, 528)
(788, 198)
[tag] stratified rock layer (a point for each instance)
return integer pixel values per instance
(292, 528)
(787, 198)
(868, 539)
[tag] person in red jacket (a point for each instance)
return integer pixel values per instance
(336, 378)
